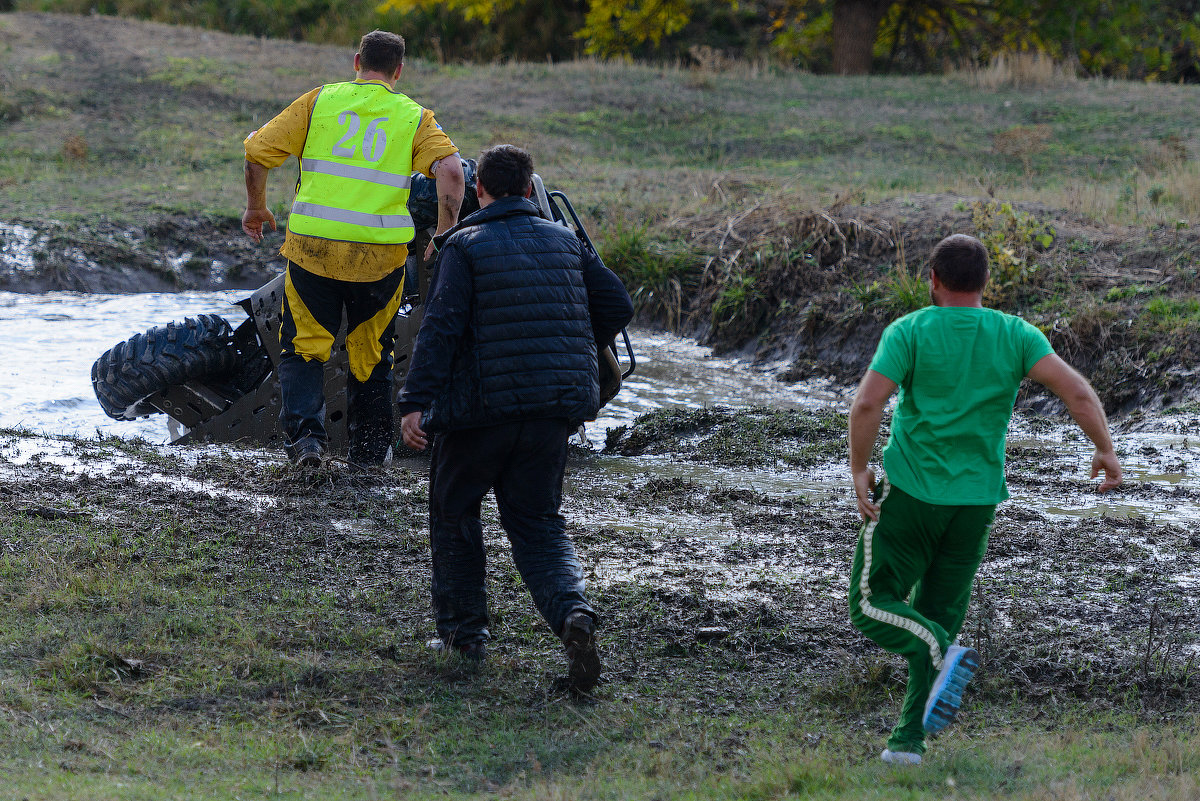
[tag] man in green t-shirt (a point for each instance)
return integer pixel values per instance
(958, 366)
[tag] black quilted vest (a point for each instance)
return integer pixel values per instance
(528, 352)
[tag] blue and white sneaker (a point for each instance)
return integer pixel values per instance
(945, 697)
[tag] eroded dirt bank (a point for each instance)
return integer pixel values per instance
(812, 288)
(753, 275)
(170, 253)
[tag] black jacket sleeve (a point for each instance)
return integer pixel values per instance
(608, 301)
(447, 313)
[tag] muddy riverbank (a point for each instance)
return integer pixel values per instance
(811, 289)
(167, 254)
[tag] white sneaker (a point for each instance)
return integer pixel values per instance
(900, 757)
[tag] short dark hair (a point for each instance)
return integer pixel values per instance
(381, 51)
(961, 263)
(505, 170)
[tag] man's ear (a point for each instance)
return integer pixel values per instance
(357, 62)
(396, 77)
(529, 189)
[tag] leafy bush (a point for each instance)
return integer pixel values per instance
(1013, 240)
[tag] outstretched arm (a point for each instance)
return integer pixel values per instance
(866, 413)
(1083, 404)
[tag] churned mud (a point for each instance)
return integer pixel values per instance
(714, 542)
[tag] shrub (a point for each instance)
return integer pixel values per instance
(1013, 240)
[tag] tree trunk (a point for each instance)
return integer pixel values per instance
(855, 25)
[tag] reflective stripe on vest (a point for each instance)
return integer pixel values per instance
(355, 168)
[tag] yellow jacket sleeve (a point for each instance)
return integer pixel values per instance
(284, 135)
(431, 144)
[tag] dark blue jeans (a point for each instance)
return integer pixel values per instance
(524, 463)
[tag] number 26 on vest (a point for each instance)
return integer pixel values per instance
(374, 140)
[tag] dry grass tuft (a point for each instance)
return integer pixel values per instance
(769, 252)
(1183, 186)
(1023, 69)
(1167, 153)
(75, 148)
(1022, 142)
(826, 235)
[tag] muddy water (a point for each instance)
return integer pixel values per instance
(52, 340)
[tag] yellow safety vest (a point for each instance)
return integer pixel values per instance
(355, 167)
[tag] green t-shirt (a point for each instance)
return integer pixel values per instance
(958, 369)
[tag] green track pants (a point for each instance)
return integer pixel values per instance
(930, 552)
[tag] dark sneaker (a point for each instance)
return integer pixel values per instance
(583, 658)
(308, 454)
(945, 697)
(472, 651)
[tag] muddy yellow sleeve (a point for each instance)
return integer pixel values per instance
(430, 144)
(283, 136)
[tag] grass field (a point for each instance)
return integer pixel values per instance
(101, 116)
(158, 640)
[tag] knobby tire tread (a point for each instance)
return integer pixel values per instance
(148, 363)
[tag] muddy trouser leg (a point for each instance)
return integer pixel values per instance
(462, 468)
(914, 542)
(371, 316)
(944, 593)
(312, 312)
(302, 400)
(528, 495)
(371, 426)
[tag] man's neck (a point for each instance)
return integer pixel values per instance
(371, 75)
(969, 300)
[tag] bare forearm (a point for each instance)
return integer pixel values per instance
(450, 189)
(256, 186)
(1083, 404)
(864, 429)
(1088, 412)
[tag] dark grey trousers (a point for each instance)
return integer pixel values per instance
(524, 463)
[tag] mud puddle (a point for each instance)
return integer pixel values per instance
(1077, 590)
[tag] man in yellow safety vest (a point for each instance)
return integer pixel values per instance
(358, 143)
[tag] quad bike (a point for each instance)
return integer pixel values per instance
(217, 383)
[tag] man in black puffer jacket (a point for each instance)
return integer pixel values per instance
(503, 370)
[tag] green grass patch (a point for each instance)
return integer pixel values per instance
(632, 140)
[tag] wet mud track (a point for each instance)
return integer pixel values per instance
(711, 561)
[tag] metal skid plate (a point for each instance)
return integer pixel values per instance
(253, 418)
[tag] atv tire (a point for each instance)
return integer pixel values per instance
(165, 356)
